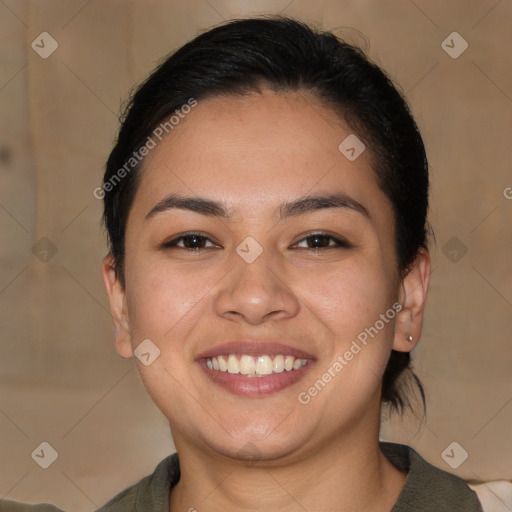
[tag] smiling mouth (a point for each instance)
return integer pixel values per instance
(259, 366)
(254, 368)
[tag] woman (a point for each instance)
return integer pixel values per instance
(277, 228)
(266, 206)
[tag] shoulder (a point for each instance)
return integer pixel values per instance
(428, 487)
(149, 493)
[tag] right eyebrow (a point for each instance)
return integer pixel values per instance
(193, 204)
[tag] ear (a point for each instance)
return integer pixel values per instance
(118, 307)
(412, 297)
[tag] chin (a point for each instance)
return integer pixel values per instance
(253, 445)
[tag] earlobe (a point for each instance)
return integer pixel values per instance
(118, 308)
(412, 297)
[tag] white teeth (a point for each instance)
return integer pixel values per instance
(223, 366)
(296, 364)
(233, 366)
(247, 365)
(278, 364)
(288, 363)
(255, 366)
(264, 365)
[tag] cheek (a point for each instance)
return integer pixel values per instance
(161, 297)
(165, 305)
(349, 303)
(349, 298)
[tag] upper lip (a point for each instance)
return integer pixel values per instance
(254, 348)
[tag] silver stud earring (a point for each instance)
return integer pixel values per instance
(410, 338)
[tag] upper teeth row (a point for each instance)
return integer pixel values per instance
(261, 365)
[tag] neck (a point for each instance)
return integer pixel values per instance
(350, 473)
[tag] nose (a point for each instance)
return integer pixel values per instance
(256, 292)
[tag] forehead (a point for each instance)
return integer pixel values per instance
(255, 151)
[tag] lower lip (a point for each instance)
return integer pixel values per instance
(255, 386)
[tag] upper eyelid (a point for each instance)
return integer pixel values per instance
(339, 239)
(322, 233)
(178, 238)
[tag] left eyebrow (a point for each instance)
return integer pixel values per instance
(301, 206)
(310, 204)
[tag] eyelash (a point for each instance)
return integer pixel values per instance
(341, 243)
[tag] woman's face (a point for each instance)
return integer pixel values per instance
(314, 277)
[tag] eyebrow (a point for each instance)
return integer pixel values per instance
(301, 206)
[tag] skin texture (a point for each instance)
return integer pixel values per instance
(253, 153)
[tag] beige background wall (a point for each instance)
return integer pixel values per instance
(60, 379)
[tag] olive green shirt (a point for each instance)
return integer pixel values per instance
(427, 488)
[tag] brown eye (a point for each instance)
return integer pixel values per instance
(322, 241)
(190, 241)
